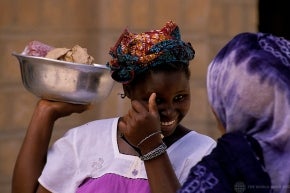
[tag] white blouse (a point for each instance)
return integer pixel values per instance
(91, 150)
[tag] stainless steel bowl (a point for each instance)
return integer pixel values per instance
(65, 81)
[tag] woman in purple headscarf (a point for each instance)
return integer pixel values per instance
(249, 91)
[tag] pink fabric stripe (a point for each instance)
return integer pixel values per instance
(113, 183)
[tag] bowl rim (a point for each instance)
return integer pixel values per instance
(21, 55)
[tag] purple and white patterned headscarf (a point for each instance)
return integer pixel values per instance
(249, 89)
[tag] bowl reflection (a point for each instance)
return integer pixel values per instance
(65, 81)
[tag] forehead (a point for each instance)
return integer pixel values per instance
(163, 83)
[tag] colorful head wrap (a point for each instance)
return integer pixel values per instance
(136, 53)
(249, 89)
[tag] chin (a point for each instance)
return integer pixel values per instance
(168, 130)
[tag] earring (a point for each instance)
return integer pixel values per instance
(122, 95)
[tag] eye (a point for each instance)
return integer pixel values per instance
(179, 98)
(158, 100)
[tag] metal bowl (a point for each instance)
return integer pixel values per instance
(65, 81)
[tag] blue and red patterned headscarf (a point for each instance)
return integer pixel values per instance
(136, 53)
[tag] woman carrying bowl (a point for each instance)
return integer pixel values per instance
(146, 150)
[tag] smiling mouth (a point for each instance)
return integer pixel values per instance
(167, 123)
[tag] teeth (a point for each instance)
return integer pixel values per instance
(167, 123)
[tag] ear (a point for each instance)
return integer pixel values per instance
(127, 89)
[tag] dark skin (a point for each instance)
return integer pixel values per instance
(159, 103)
(31, 158)
(163, 113)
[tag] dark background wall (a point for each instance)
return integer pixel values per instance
(274, 17)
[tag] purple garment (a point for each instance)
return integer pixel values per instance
(113, 183)
(248, 86)
(232, 167)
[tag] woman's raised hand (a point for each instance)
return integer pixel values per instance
(60, 109)
(141, 121)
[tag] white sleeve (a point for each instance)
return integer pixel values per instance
(192, 161)
(61, 169)
(192, 149)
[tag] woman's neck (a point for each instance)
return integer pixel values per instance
(179, 132)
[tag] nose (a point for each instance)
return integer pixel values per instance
(166, 109)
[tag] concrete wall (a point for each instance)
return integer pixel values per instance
(96, 24)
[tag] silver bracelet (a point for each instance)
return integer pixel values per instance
(142, 141)
(154, 153)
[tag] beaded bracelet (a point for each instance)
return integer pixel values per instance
(152, 134)
(154, 153)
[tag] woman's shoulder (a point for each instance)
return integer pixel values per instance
(202, 144)
(97, 133)
(193, 137)
(194, 143)
(198, 138)
(97, 126)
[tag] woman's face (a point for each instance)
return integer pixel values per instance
(172, 97)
